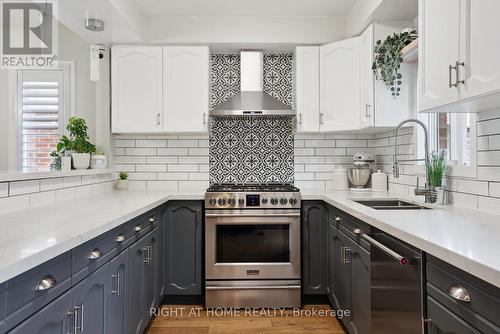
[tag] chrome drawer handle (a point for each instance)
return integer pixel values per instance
(138, 228)
(458, 292)
(116, 277)
(121, 238)
(338, 219)
(152, 220)
(95, 254)
(46, 283)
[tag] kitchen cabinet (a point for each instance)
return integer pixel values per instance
(307, 88)
(135, 288)
(91, 302)
(183, 253)
(136, 89)
(151, 266)
(378, 107)
(314, 227)
(336, 272)
(118, 276)
(458, 55)
(340, 100)
(52, 319)
(185, 91)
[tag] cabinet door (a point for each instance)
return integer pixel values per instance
(480, 48)
(307, 88)
(118, 276)
(150, 297)
(339, 85)
(55, 318)
(185, 93)
(359, 286)
(135, 288)
(438, 49)
(91, 301)
(443, 321)
(342, 275)
(183, 241)
(314, 225)
(366, 76)
(136, 80)
(335, 267)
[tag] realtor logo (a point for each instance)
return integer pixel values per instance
(29, 34)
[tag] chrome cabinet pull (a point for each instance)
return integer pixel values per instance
(338, 219)
(204, 119)
(342, 254)
(152, 219)
(346, 258)
(300, 118)
(458, 292)
(78, 319)
(138, 228)
(121, 238)
(450, 68)
(158, 119)
(321, 118)
(46, 283)
(95, 254)
(81, 320)
(116, 278)
(147, 254)
(457, 64)
(197, 216)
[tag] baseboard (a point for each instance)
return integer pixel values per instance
(187, 299)
(315, 299)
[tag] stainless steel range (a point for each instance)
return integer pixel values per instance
(252, 245)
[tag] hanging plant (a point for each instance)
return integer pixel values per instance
(388, 59)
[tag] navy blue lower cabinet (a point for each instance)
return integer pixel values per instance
(118, 276)
(55, 318)
(183, 248)
(135, 287)
(151, 267)
(91, 302)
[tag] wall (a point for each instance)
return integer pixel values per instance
(481, 192)
(19, 195)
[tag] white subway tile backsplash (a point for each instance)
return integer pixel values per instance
(150, 168)
(331, 151)
(193, 185)
(204, 151)
(128, 159)
(473, 187)
(72, 181)
(352, 143)
(173, 151)
(193, 160)
(182, 168)
(119, 151)
(162, 160)
(124, 168)
(142, 176)
(24, 187)
(489, 204)
(140, 151)
(198, 176)
(162, 185)
(151, 143)
(494, 189)
(125, 143)
(488, 158)
(174, 176)
(4, 189)
(318, 168)
(182, 143)
(319, 143)
(493, 142)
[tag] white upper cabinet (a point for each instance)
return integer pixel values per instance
(459, 50)
(378, 107)
(307, 88)
(185, 88)
(136, 83)
(480, 48)
(340, 86)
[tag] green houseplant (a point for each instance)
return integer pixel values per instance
(79, 143)
(122, 182)
(388, 59)
(436, 167)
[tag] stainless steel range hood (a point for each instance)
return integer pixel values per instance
(251, 100)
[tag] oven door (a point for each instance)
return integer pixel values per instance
(252, 244)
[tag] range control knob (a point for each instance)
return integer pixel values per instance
(231, 201)
(241, 201)
(222, 201)
(212, 201)
(264, 200)
(292, 201)
(283, 201)
(274, 201)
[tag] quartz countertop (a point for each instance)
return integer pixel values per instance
(467, 239)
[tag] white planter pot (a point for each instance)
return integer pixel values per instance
(98, 161)
(81, 160)
(121, 184)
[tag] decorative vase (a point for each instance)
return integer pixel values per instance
(438, 195)
(121, 184)
(98, 161)
(81, 160)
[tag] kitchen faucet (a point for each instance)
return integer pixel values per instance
(395, 167)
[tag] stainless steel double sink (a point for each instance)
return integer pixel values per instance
(391, 204)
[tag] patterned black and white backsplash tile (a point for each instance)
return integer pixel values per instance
(251, 150)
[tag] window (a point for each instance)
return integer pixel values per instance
(43, 97)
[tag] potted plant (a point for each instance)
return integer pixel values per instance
(388, 59)
(122, 182)
(61, 157)
(435, 167)
(98, 160)
(80, 145)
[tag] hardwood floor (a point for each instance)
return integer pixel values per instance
(193, 319)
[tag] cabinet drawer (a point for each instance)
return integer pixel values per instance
(484, 306)
(30, 291)
(92, 255)
(145, 223)
(347, 225)
(442, 321)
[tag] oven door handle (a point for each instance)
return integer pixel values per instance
(251, 215)
(263, 287)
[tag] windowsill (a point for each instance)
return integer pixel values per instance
(451, 170)
(6, 176)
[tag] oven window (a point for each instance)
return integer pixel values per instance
(253, 243)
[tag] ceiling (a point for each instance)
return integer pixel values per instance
(245, 7)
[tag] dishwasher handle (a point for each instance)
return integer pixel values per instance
(400, 258)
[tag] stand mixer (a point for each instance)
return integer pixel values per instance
(359, 176)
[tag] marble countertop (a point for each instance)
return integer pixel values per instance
(467, 239)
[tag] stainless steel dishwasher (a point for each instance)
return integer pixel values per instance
(395, 285)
